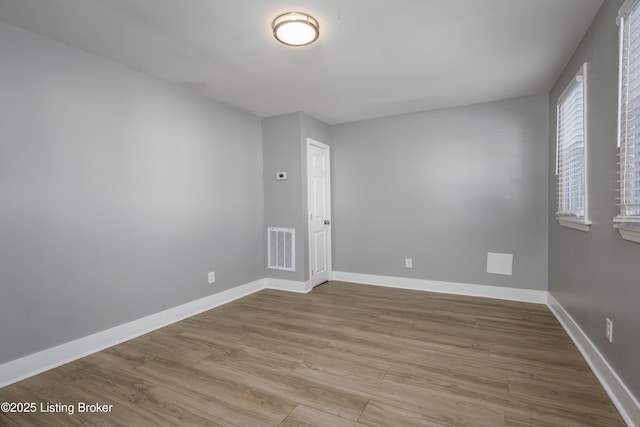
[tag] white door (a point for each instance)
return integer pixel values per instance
(319, 193)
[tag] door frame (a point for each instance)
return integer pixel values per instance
(326, 147)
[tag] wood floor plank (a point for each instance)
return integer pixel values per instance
(228, 390)
(327, 397)
(589, 400)
(169, 347)
(471, 385)
(538, 416)
(381, 414)
(304, 416)
(144, 418)
(355, 370)
(342, 355)
(214, 408)
(438, 404)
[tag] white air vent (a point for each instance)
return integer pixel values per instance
(282, 248)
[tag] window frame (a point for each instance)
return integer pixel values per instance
(627, 224)
(570, 219)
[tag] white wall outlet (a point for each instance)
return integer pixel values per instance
(408, 262)
(608, 331)
(212, 277)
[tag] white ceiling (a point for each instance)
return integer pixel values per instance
(374, 57)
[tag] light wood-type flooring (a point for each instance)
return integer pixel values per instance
(342, 355)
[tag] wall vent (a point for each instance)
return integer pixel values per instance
(282, 248)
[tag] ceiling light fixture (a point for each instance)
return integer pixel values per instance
(295, 29)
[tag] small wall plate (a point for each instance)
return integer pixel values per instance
(500, 263)
(281, 176)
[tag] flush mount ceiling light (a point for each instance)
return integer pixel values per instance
(295, 29)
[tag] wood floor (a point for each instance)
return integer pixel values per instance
(342, 355)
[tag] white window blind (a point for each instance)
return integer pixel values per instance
(629, 113)
(571, 151)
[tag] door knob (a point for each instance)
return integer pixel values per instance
(327, 222)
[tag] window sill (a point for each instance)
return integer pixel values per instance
(576, 224)
(629, 232)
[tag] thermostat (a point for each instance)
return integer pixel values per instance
(281, 176)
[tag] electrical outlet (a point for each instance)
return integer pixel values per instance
(212, 277)
(408, 263)
(608, 331)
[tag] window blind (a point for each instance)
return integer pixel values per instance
(570, 156)
(629, 114)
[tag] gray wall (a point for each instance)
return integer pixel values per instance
(596, 274)
(284, 140)
(118, 193)
(444, 188)
(283, 200)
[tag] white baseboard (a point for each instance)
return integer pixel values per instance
(621, 396)
(288, 285)
(36, 363)
(497, 292)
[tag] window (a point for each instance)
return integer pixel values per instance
(571, 154)
(628, 221)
